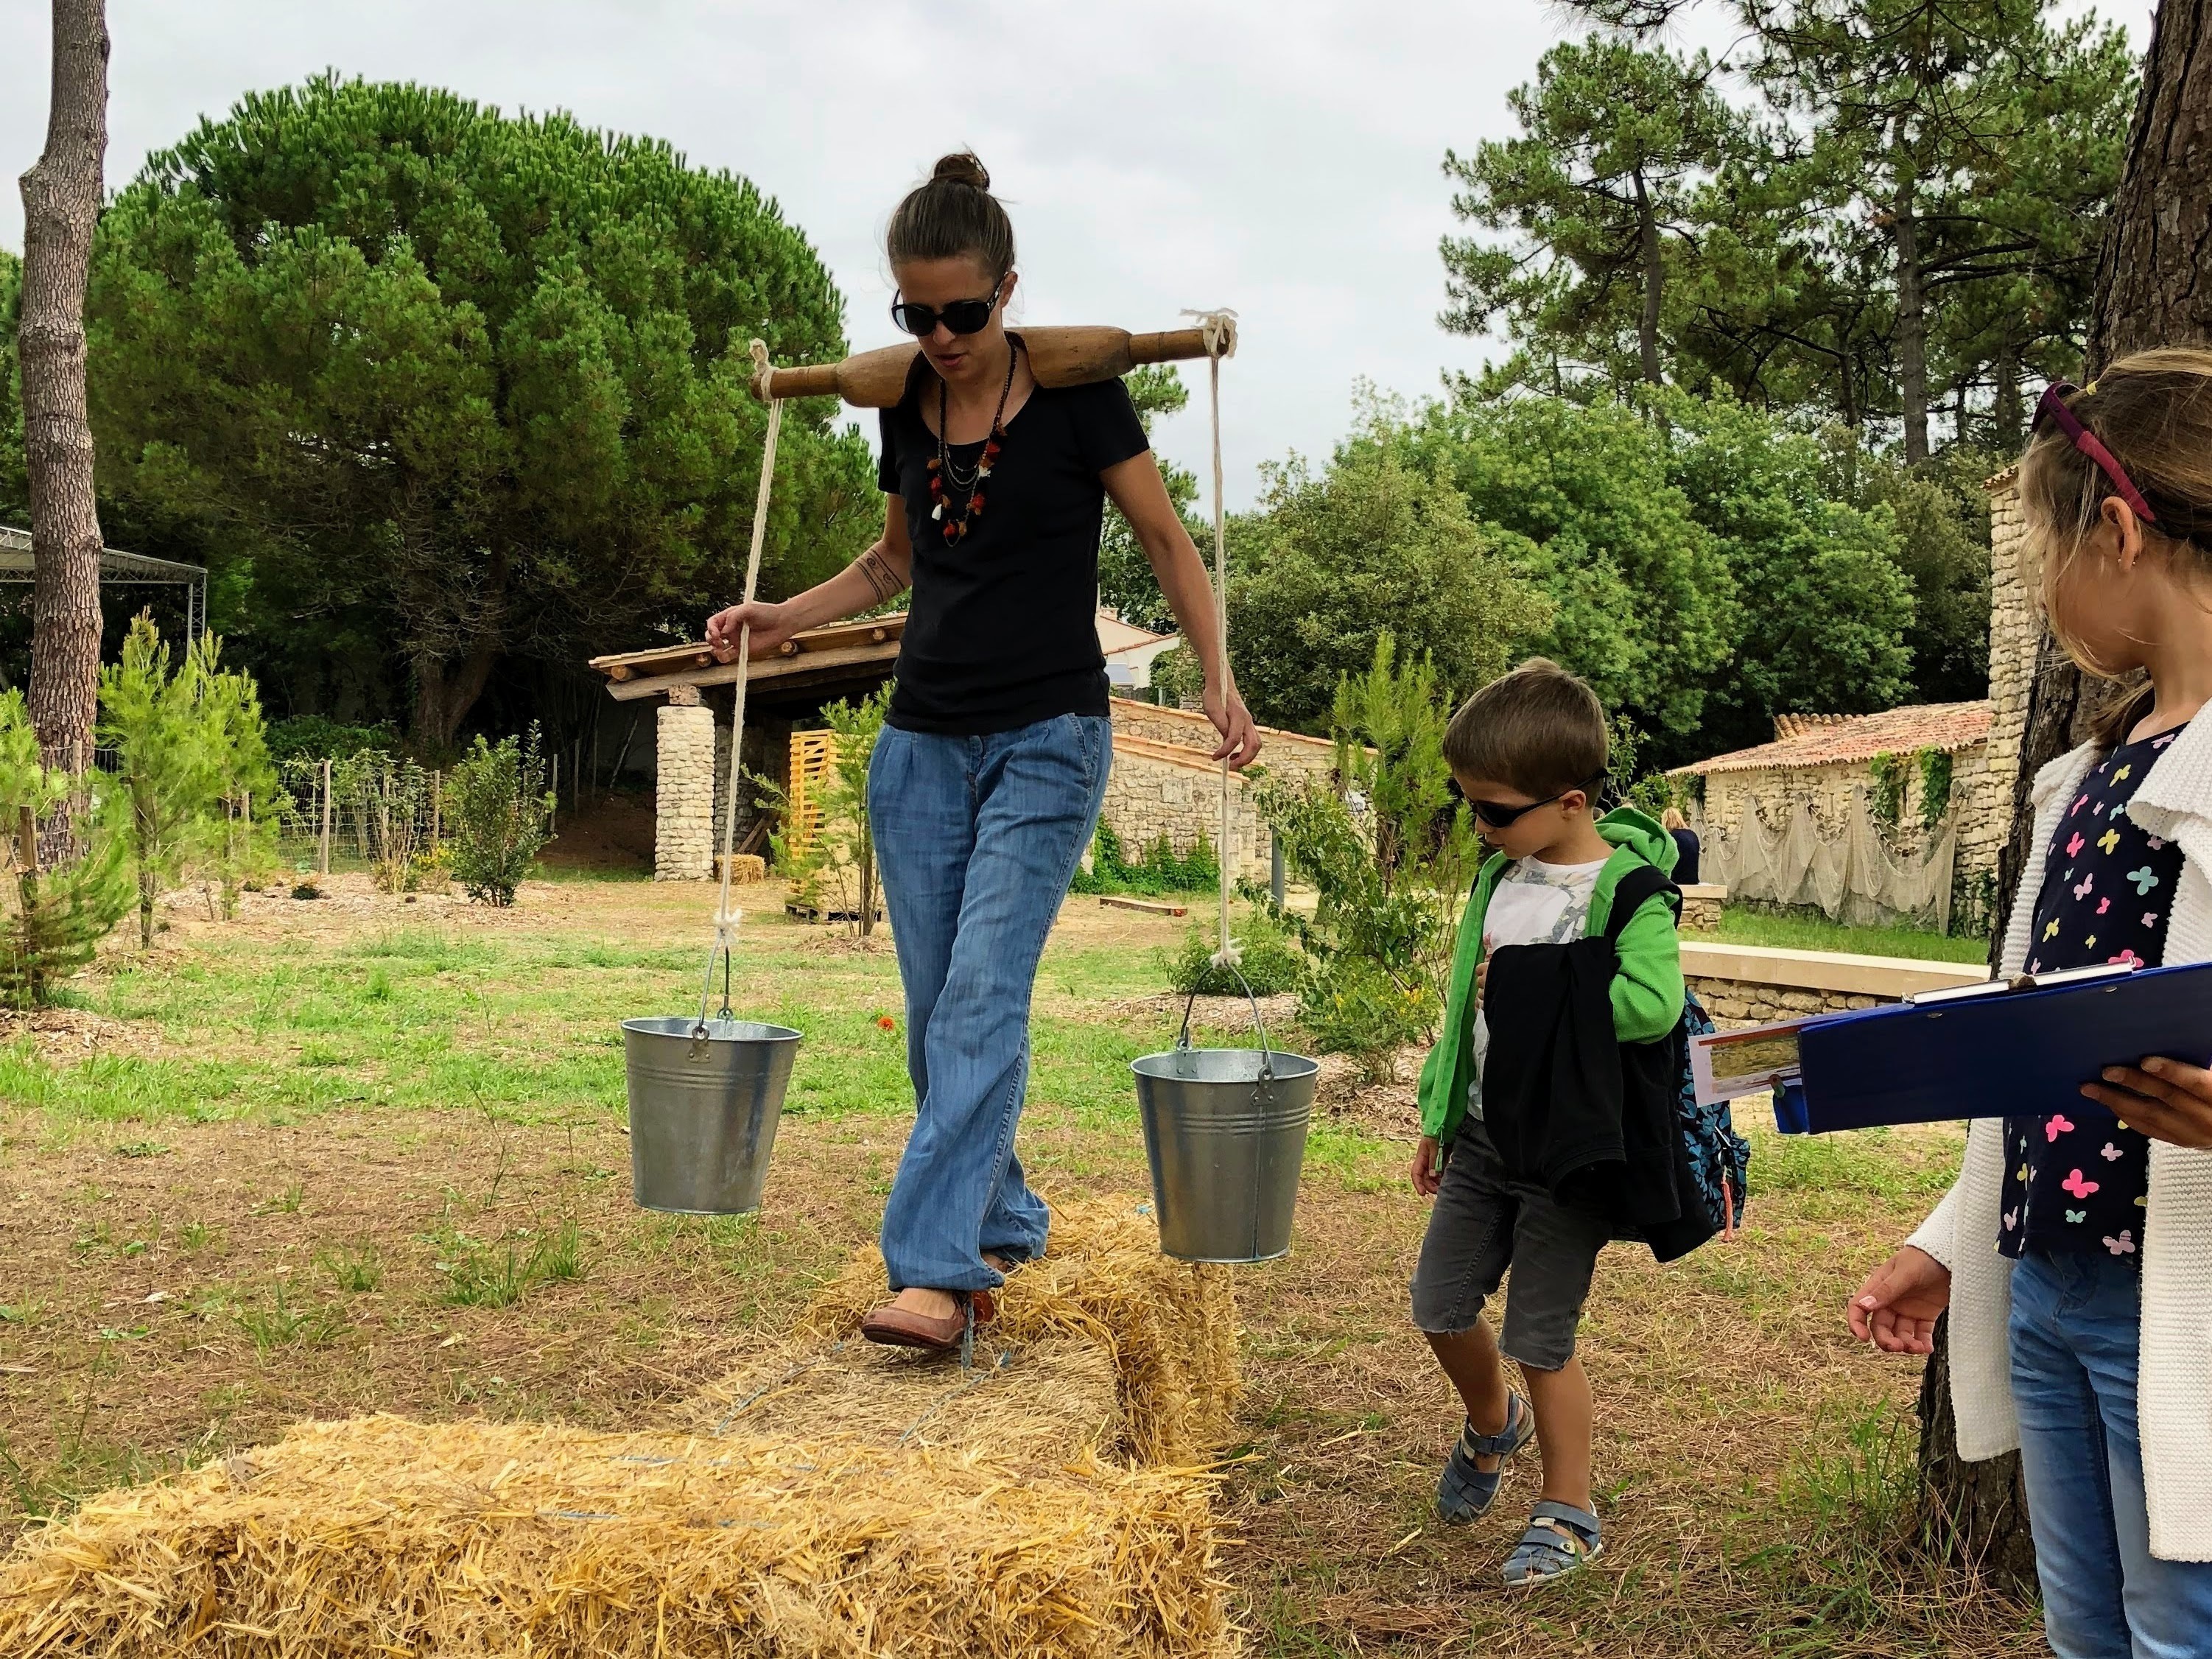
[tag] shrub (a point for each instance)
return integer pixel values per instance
(1390, 855)
(1271, 962)
(499, 813)
(311, 737)
(1158, 869)
(837, 871)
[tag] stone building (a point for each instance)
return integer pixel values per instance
(1163, 783)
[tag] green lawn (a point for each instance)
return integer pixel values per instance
(371, 1157)
(1792, 932)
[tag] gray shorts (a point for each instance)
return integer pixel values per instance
(1482, 1225)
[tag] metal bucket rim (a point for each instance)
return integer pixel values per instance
(682, 1028)
(1287, 1067)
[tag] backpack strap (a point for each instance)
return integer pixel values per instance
(1634, 890)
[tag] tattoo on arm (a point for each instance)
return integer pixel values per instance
(876, 570)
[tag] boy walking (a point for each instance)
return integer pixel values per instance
(1529, 752)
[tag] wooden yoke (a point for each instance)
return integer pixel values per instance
(1058, 356)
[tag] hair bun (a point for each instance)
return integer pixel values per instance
(962, 167)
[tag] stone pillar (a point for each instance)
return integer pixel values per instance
(683, 794)
(2015, 634)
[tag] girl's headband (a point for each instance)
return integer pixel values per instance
(2052, 405)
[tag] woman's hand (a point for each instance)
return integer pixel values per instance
(1428, 1168)
(1240, 737)
(1896, 1308)
(771, 625)
(2166, 1099)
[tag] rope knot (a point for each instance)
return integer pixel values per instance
(1230, 955)
(725, 927)
(1219, 328)
(760, 370)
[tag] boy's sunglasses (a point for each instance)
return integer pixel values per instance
(2051, 407)
(961, 317)
(1493, 815)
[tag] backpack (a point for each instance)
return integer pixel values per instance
(1718, 1159)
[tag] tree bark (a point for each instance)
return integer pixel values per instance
(2149, 292)
(1911, 324)
(61, 203)
(2153, 285)
(444, 694)
(1647, 326)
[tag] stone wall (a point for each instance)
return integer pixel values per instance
(2015, 634)
(683, 802)
(1733, 1002)
(1280, 752)
(1165, 789)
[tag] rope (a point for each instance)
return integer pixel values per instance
(727, 915)
(1219, 328)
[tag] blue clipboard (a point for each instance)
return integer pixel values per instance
(2018, 1053)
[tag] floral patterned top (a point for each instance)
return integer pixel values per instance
(2079, 1181)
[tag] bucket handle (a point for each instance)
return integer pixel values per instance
(1266, 1055)
(699, 1030)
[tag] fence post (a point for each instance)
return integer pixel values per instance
(553, 818)
(1275, 869)
(323, 856)
(437, 811)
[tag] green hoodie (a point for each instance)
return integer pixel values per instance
(1647, 991)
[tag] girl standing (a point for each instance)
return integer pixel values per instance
(988, 776)
(2075, 1250)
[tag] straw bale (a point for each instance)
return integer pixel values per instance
(1169, 1326)
(379, 1536)
(1048, 1403)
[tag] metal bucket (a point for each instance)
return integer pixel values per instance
(705, 1096)
(1225, 1133)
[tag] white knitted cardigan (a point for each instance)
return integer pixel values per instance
(2173, 1391)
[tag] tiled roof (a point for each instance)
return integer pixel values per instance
(1840, 740)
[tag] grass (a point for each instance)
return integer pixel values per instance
(1739, 926)
(392, 1176)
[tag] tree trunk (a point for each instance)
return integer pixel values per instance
(2152, 284)
(444, 694)
(61, 202)
(1647, 325)
(1976, 1512)
(1911, 325)
(2148, 292)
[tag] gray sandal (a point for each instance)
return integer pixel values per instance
(1465, 1492)
(1560, 1539)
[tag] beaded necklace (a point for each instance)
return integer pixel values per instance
(941, 467)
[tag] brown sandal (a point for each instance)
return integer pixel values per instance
(895, 1326)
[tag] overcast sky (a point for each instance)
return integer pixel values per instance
(1279, 157)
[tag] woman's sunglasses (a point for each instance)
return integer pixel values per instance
(1493, 816)
(961, 317)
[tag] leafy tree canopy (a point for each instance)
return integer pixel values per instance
(1644, 603)
(1375, 544)
(1126, 582)
(435, 388)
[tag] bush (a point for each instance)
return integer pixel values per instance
(1391, 857)
(1159, 869)
(500, 815)
(311, 737)
(60, 915)
(1271, 961)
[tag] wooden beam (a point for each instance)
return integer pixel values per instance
(768, 671)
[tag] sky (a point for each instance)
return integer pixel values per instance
(1279, 157)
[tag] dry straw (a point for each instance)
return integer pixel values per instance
(843, 1502)
(1170, 1328)
(382, 1536)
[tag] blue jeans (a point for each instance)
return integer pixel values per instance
(977, 839)
(2077, 1323)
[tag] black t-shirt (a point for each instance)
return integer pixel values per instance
(1002, 627)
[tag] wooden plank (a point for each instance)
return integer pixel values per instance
(1116, 902)
(767, 670)
(691, 653)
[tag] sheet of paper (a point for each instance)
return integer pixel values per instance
(1728, 1063)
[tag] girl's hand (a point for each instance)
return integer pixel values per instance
(2166, 1099)
(1428, 1168)
(1240, 737)
(1895, 1310)
(770, 624)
